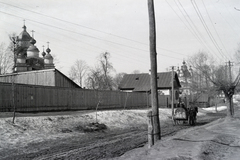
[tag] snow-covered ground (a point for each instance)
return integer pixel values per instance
(217, 140)
(33, 128)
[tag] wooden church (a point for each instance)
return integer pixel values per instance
(33, 69)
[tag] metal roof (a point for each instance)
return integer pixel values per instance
(141, 82)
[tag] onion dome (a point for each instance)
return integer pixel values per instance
(48, 59)
(184, 66)
(48, 50)
(24, 35)
(33, 41)
(24, 38)
(43, 53)
(32, 50)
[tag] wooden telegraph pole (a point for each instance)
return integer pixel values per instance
(153, 59)
(172, 106)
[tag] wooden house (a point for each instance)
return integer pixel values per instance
(141, 83)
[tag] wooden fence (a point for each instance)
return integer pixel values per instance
(30, 98)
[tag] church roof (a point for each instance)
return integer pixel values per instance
(48, 56)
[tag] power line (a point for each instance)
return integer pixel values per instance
(56, 27)
(214, 27)
(191, 29)
(206, 27)
(191, 23)
(89, 28)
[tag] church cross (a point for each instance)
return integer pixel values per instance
(32, 33)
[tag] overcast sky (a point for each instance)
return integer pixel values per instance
(82, 29)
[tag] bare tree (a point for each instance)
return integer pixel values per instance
(117, 79)
(95, 79)
(106, 67)
(217, 77)
(201, 62)
(6, 59)
(224, 83)
(78, 71)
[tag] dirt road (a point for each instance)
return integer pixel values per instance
(96, 145)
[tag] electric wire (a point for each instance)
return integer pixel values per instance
(206, 28)
(195, 27)
(190, 28)
(209, 32)
(214, 27)
(88, 27)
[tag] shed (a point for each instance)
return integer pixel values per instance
(46, 77)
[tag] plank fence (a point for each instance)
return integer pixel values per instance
(32, 98)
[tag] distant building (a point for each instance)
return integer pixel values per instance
(26, 54)
(185, 78)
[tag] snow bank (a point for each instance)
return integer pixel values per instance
(213, 109)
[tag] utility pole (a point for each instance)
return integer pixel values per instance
(153, 59)
(229, 64)
(172, 92)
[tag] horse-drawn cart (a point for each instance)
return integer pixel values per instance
(185, 115)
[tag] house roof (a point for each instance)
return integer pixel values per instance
(141, 82)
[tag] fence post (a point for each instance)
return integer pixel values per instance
(125, 104)
(150, 129)
(13, 98)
